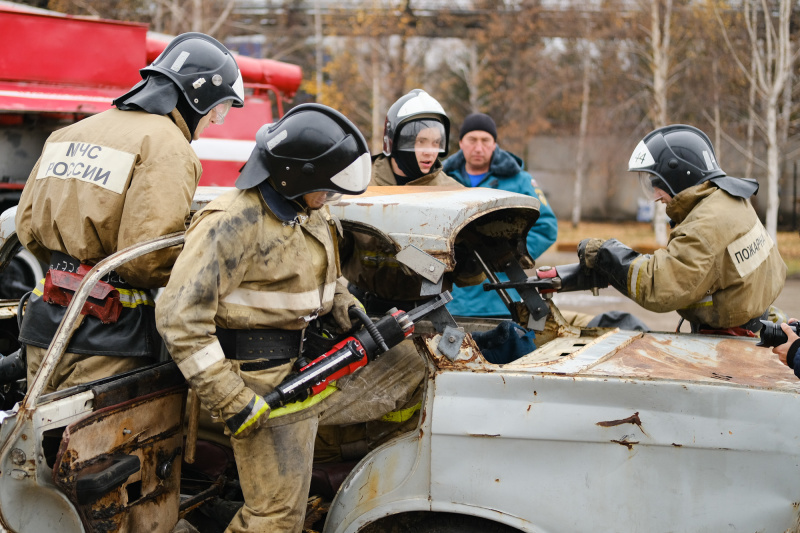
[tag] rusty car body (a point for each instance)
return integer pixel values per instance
(596, 429)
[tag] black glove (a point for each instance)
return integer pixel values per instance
(587, 252)
(575, 278)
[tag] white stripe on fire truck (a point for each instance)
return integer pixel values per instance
(223, 149)
(56, 96)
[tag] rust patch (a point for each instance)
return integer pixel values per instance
(627, 443)
(699, 358)
(721, 377)
(443, 363)
(677, 445)
(144, 498)
(633, 419)
(528, 409)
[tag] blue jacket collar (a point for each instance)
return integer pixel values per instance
(504, 165)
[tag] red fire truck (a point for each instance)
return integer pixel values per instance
(56, 69)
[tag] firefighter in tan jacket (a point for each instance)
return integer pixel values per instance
(110, 181)
(415, 139)
(259, 264)
(721, 271)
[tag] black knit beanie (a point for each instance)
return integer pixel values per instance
(479, 122)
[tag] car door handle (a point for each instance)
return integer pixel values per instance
(91, 486)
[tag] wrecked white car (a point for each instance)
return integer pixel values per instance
(594, 430)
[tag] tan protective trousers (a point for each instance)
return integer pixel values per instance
(274, 466)
(354, 420)
(275, 460)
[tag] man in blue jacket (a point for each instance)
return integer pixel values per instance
(481, 163)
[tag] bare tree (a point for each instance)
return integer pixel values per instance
(377, 100)
(168, 16)
(660, 46)
(772, 60)
(580, 163)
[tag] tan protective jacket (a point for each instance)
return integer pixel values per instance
(243, 268)
(371, 265)
(107, 182)
(720, 268)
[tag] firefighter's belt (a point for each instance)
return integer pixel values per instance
(103, 301)
(261, 344)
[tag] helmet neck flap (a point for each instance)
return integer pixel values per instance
(155, 94)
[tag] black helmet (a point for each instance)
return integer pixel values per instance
(676, 157)
(312, 148)
(415, 105)
(203, 69)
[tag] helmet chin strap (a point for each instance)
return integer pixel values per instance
(285, 209)
(188, 113)
(664, 186)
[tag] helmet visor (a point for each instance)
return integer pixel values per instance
(425, 135)
(332, 197)
(355, 177)
(220, 111)
(317, 199)
(646, 184)
(650, 182)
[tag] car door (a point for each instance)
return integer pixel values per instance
(102, 456)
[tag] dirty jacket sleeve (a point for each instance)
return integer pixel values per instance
(211, 266)
(669, 279)
(719, 269)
